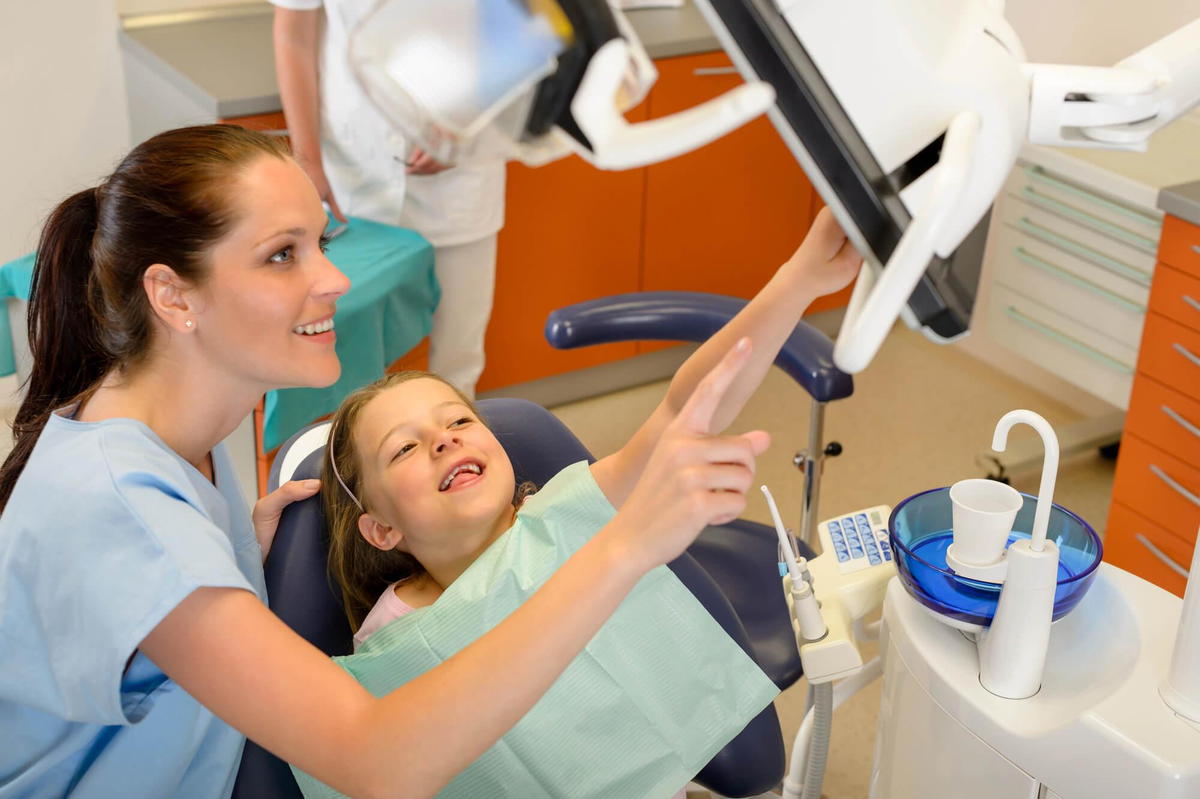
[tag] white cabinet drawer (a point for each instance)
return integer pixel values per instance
(1089, 295)
(1054, 341)
(1140, 228)
(1081, 241)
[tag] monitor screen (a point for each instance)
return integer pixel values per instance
(864, 198)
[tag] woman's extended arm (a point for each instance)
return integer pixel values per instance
(824, 263)
(297, 69)
(227, 649)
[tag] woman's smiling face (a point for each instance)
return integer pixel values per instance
(266, 310)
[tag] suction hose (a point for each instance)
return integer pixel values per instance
(818, 748)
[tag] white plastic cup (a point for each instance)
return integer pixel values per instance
(983, 516)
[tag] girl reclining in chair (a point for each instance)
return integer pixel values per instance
(426, 518)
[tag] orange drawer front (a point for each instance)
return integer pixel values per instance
(1180, 245)
(1158, 485)
(1170, 353)
(1123, 548)
(1176, 295)
(1167, 419)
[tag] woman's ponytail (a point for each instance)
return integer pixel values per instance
(67, 356)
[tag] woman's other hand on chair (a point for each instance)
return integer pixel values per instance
(692, 478)
(825, 261)
(267, 510)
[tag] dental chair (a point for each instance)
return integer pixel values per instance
(732, 568)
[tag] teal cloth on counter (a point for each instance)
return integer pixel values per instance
(388, 310)
(658, 691)
(15, 277)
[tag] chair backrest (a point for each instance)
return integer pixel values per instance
(303, 596)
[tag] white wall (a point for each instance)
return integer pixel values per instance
(1094, 32)
(65, 120)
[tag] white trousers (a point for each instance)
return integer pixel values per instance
(467, 275)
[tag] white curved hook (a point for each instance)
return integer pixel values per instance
(617, 144)
(1041, 517)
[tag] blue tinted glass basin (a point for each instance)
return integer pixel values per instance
(920, 532)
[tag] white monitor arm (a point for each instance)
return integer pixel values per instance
(1116, 107)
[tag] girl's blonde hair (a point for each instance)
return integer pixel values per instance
(363, 571)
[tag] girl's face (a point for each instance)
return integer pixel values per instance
(432, 471)
(270, 284)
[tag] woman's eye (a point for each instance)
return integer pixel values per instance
(404, 450)
(282, 257)
(460, 422)
(324, 243)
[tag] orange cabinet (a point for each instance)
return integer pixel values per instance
(571, 233)
(724, 217)
(1180, 245)
(266, 123)
(1156, 493)
(1131, 543)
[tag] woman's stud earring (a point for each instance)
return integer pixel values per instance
(189, 323)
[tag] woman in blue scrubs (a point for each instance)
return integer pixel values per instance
(135, 646)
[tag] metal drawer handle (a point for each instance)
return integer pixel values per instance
(1173, 483)
(1192, 302)
(1086, 253)
(1036, 173)
(715, 71)
(1163, 556)
(1179, 420)
(1185, 352)
(1063, 338)
(1128, 236)
(1076, 280)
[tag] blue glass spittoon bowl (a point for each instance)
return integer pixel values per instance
(920, 532)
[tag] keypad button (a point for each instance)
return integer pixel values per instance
(861, 518)
(843, 556)
(887, 554)
(834, 527)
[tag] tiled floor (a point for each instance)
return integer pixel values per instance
(919, 416)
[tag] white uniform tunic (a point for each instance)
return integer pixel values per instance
(364, 154)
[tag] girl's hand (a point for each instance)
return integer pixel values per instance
(692, 478)
(826, 261)
(267, 510)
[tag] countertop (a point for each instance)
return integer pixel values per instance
(1182, 200)
(223, 59)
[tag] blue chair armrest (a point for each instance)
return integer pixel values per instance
(807, 355)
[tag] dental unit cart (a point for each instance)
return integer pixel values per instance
(1065, 678)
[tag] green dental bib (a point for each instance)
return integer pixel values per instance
(657, 692)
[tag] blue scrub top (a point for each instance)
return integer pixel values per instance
(106, 531)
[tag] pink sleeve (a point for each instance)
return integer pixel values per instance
(388, 608)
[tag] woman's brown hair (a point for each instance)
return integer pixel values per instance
(168, 202)
(363, 572)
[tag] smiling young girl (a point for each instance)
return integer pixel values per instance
(416, 486)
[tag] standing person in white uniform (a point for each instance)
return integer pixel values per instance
(361, 165)
(136, 646)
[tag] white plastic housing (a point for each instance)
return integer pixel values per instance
(1096, 729)
(1181, 690)
(1012, 651)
